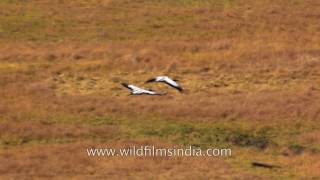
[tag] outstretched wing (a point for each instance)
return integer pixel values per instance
(137, 91)
(126, 86)
(153, 93)
(135, 88)
(173, 84)
(148, 92)
(144, 91)
(132, 87)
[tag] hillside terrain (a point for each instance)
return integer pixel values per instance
(250, 69)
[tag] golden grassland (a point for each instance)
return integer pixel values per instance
(250, 70)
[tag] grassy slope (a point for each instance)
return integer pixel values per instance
(250, 69)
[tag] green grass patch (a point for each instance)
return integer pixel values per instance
(204, 136)
(200, 134)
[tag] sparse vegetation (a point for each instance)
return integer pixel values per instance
(250, 69)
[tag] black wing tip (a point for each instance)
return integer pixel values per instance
(125, 84)
(178, 88)
(150, 80)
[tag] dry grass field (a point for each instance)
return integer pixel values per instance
(250, 69)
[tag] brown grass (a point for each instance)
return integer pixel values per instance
(249, 65)
(34, 161)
